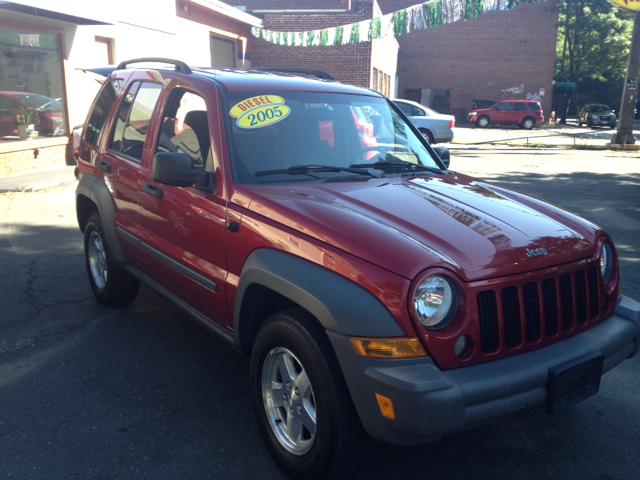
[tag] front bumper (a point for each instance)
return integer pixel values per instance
(430, 403)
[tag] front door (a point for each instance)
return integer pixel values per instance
(184, 228)
(503, 113)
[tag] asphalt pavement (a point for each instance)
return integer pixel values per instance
(142, 392)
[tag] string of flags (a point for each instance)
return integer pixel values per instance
(433, 13)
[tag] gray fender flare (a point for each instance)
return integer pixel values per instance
(339, 304)
(93, 188)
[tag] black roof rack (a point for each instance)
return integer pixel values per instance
(308, 71)
(180, 66)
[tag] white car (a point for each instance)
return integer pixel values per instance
(435, 127)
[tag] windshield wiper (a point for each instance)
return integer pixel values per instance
(309, 169)
(395, 164)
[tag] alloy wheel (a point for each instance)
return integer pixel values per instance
(289, 401)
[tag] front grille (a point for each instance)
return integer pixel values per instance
(514, 315)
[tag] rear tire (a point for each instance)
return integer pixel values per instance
(111, 285)
(428, 136)
(483, 122)
(528, 123)
(301, 400)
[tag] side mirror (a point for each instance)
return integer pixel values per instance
(176, 169)
(443, 153)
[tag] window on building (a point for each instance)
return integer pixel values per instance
(31, 86)
(133, 119)
(223, 52)
(104, 49)
(381, 82)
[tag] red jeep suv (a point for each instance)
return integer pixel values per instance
(378, 293)
(525, 113)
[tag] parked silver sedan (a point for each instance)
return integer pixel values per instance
(435, 127)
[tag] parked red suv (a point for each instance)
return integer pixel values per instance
(378, 295)
(526, 113)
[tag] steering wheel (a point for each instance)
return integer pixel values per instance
(381, 150)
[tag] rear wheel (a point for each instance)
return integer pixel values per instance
(428, 136)
(304, 410)
(483, 122)
(111, 285)
(528, 123)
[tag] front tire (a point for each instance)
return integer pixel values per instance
(301, 400)
(483, 122)
(111, 285)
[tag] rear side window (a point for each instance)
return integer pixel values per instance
(406, 108)
(98, 115)
(519, 106)
(134, 116)
(534, 106)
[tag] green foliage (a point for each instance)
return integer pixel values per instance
(593, 46)
(27, 116)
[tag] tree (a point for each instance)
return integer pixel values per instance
(592, 46)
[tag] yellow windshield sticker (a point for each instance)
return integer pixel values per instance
(263, 115)
(240, 108)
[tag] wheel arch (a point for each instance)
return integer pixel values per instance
(272, 281)
(93, 196)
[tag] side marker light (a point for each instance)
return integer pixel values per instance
(386, 406)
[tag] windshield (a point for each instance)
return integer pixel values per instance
(600, 109)
(293, 137)
(41, 103)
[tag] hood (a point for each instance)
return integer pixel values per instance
(483, 110)
(406, 225)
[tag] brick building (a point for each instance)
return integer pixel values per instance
(500, 55)
(371, 64)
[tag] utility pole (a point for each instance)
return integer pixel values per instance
(630, 92)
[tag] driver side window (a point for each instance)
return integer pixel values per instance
(185, 128)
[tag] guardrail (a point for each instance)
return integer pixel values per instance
(573, 136)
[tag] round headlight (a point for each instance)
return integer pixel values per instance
(434, 301)
(606, 262)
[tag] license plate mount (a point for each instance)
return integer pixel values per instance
(573, 381)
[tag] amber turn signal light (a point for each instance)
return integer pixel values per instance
(397, 347)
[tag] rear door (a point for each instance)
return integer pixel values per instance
(121, 161)
(519, 112)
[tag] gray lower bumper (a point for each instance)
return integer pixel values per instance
(430, 403)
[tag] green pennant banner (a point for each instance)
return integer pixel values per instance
(434, 13)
